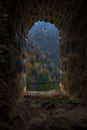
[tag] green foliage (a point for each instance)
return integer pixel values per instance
(44, 87)
(40, 69)
(42, 77)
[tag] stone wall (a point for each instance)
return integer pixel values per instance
(16, 17)
(10, 63)
(73, 53)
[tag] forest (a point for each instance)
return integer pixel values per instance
(40, 67)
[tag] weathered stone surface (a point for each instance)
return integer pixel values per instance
(10, 69)
(16, 17)
(70, 18)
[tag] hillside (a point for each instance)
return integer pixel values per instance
(41, 69)
(45, 36)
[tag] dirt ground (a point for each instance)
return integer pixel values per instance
(48, 111)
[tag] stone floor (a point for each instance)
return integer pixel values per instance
(37, 111)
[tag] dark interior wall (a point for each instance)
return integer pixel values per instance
(17, 17)
(10, 65)
(73, 46)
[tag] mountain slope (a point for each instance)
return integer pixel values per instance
(45, 36)
(40, 69)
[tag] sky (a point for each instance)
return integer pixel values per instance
(43, 30)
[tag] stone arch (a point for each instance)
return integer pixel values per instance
(18, 17)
